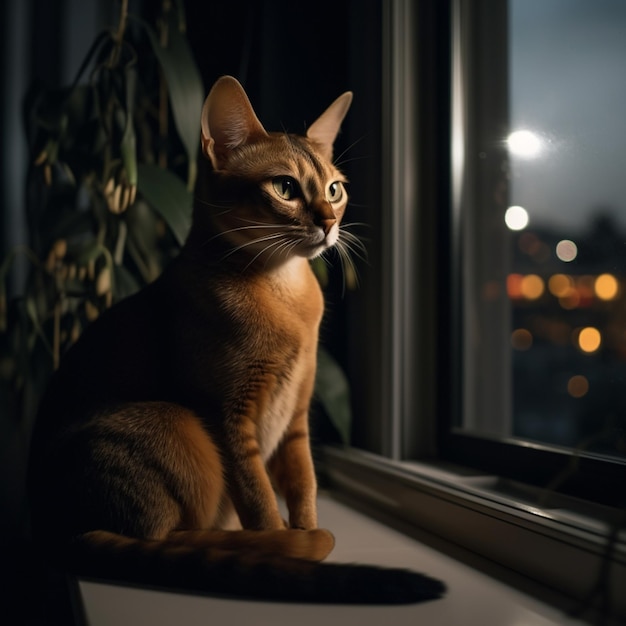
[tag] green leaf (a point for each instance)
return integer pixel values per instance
(94, 250)
(187, 97)
(128, 146)
(168, 196)
(333, 392)
(182, 18)
(125, 282)
(87, 252)
(31, 311)
(320, 269)
(70, 224)
(185, 86)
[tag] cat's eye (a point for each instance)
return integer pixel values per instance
(335, 192)
(286, 187)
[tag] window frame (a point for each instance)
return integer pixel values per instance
(572, 472)
(490, 497)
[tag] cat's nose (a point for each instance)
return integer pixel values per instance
(323, 215)
(327, 224)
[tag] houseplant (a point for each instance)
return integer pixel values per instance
(109, 193)
(109, 199)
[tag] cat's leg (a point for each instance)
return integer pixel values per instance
(248, 482)
(251, 490)
(227, 518)
(201, 489)
(292, 469)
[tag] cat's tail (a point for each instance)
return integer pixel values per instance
(209, 563)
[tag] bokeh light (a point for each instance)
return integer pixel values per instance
(570, 300)
(585, 288)
(589, 339)
(514, 285)
(532, 286)
(521, 339)
(577, 386)
(566, 250)
(606, 287)
(516, 218)
(524, 143)
(560, 285)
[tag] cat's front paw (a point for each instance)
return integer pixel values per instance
(303, 519)
(311, 545)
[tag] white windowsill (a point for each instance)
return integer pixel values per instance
(560, 543)
(473, 598)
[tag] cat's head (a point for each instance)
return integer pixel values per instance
(272, 195)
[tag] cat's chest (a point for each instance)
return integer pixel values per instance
(285, 398)
(251, 347)
(293, 317)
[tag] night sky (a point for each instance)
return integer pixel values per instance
(568, 85)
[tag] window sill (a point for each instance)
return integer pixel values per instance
(562, 545)
(473, 598)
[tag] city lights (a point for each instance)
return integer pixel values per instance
(570, 300)
(532, 287)
(577, 386)
(566, 250)
(514, 285)
(560, 285)
(524, 143)
(606, 287)
(571, 291)
(521, 339)
(516, 218)
(589, 339)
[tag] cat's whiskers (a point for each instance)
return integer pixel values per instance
(251, 243)
(276, 245)
(337, 162)
(351, 160)
(359, 206)
(347, 246)
(353, 244)
(242, 228)
(224, 208)
(278, 241)
(286, 245)
(290, 247)
(347, 264)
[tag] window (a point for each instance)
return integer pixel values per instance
(567, 273)
(492, 416)
(544, 259)
(539, 211)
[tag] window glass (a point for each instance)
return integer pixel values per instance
(544, 244)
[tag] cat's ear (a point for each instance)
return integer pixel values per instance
(228, 121)
(324, 130)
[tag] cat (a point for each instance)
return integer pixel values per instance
(170, 423)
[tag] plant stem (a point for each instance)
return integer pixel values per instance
(118, 37)
(118, 254)
(163, 101)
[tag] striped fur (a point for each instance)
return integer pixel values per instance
(169, 425)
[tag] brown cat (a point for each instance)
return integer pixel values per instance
(170, 422)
